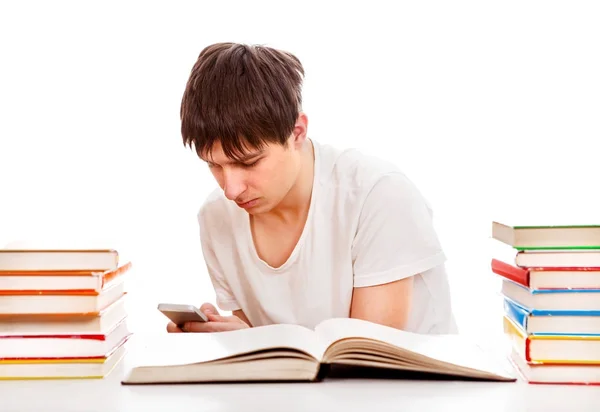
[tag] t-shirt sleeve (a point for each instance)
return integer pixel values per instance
(395, 238)
(225, 299)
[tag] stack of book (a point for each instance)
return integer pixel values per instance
(551, 295)
(62, 313)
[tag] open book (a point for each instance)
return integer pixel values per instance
(295, 353)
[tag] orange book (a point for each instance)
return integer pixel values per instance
(63, 368)
(59, 303)
(68, 281)
(74, 324)
(38, 259)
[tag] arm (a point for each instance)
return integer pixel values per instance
(395, 241)
(225, 297)
(388, 304)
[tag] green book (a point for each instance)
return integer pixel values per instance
(550, 237)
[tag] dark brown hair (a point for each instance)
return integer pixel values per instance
(242, 96)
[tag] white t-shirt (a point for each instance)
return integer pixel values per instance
(367, 225)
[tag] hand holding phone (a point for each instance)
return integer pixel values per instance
(180, 314)
(188, 318)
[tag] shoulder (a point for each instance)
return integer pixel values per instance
(212, 204)
(351, 167)
(361, 175)
(395, 189)
(215, 212)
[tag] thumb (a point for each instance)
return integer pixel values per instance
(208, 309)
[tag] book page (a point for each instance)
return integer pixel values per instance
(171, 349)
(58, 243)
(452, 349)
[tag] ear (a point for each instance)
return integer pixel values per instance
(300, 131)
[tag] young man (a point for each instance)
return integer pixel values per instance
(300, 231)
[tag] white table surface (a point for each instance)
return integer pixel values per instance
(348, 394)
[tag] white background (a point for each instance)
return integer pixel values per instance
(492, 108)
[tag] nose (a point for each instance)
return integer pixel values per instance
(233, 184)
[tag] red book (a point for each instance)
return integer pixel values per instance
(510, 272)
(63, 345)
(549, 277)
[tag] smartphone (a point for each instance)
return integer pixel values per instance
(180, 314)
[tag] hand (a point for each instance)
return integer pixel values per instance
(216, 322)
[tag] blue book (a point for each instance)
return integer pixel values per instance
(552, 300)
(552, 322)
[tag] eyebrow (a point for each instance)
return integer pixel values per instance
(244, 158)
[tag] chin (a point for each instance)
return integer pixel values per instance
(261, 208)
(258, 210)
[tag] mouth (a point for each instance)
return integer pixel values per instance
(248, 204)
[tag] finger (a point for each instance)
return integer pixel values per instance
(208, 309)
(208, 327)
(219, 318)
(172, 328)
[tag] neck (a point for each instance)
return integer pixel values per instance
(296, 203)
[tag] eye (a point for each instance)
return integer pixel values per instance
(248, 165)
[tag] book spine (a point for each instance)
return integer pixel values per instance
(510, 272)
(110, 276)
(516, 313)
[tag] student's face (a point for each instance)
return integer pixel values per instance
(264, 177)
